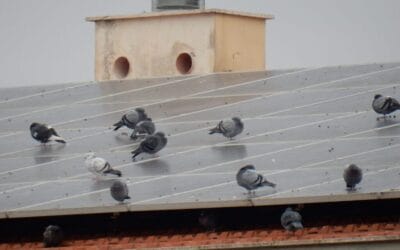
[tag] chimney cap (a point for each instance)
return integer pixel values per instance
(179, 13)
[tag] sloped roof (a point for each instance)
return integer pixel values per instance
(302, 127)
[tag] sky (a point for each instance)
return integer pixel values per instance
(48, 41)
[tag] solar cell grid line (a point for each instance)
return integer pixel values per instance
(253, 99)
(91, 116)
(78, 85)
(234, 181)
(97, 191)
(240, 86)
(217, 89)
(191, 150)
(339, 98)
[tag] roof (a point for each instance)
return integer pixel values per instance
(180, 13)
(302, 127)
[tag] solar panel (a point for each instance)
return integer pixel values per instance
(302, 127)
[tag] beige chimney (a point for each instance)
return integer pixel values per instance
(175, 43)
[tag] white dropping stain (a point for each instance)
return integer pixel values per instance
(273, 160)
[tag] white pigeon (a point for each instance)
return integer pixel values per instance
(99, 166)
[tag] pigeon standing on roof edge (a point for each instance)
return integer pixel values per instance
(52, 236)
(352, 175)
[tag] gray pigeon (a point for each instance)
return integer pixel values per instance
(352, 175)
(143, 128)
(229, 128)
(384, 105)
(291, 220)
(52, 236)
(119, 191)
(44, 133)
(151, 144)
(99, 166)
(131, 118)
(248, 178)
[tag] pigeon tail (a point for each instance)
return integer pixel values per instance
(136, 152)
(57, 139)
(118, 125)
(214, 130)
(267, 183)
(113, 171)
(296, 225)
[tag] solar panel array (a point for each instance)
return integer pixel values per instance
(302, 127)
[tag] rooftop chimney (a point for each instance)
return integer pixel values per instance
(178, 42)
(161, 5)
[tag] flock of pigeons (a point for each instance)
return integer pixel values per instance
(152, 142)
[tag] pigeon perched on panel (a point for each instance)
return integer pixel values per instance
(44, 133)
(248, 178)
(143, 128)
(119, 191)
(52, 236)
(384, 105)
(151, 144)
(228, 128)
(352, 175)
(99, 166)
(131, 118)
(291, 220)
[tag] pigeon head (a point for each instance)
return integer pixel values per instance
(34, 124)
(139, 110)
(377, 96)
(353, 168)
(288, 209)
(236, 119)
(89, 155)
(161, 134)
(248, 167)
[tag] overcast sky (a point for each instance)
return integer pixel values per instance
(48, 41)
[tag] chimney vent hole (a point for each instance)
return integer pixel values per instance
(121, 67)
(184, 63)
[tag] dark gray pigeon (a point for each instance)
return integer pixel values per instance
(384, 105)
(229, 128)
(248, 178)
(352, 175)
(52, 236)
(151, 144)
(131, 118)
(99, 166)
(291, 220)
(44, 133)
(119, 191)
(143, 128)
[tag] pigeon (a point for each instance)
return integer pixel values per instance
(208, 220)
(52, 236)
(151, 144)
(291, 220)
(44, 133)
(228, 128)
(384, 105)
(99, 166)
(131, 118)
(143, 128)
(352, 175)
(248, 178)
(119, 191)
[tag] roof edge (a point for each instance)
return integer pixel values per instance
(180, 13)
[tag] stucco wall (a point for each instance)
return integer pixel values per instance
(240, 43)
(152, 45)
